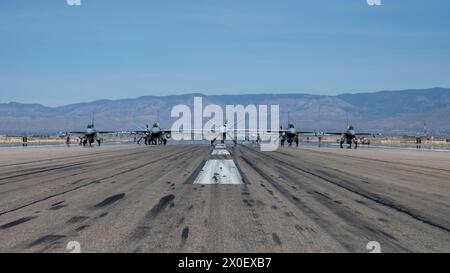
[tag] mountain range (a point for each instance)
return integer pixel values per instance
(395, 112)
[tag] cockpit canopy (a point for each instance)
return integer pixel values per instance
(350, 127)
(90, 126)
(156, 125)
(291, 126)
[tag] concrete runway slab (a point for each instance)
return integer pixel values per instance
(139, 199)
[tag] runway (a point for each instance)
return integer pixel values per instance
(150, 199)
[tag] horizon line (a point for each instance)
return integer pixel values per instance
(225, 95)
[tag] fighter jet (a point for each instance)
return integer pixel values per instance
(349, 137)
(291, 134)
(154, 135)
(223, 131)
(91, 134)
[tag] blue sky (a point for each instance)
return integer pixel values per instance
(54, 54)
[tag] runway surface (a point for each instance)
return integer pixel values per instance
(147, 199)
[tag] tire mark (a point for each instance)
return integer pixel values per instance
(90, 183)
(375, 198)
(17, 222)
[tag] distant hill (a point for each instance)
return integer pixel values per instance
(386, 111)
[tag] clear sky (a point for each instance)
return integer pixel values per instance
(55, 54)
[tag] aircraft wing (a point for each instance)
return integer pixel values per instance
(111, 132)
(341, 133)
(305, 132)
(217, 130)
(78, 132)
(298, 132)
(137, 132)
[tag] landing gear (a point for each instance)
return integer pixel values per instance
(223, 139)
(349, 142)
(282, 140)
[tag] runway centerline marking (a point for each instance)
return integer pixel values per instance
(219, 171)
(220, 152)
(220, 146)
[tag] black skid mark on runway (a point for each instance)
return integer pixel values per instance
(322, 194)
(162, 204)
(110, 200)
(47, 239)
(58, 203)
(80, 228)
(76, 182)
(35, 171)
(276, 239)
(103, 215)
(248, 202)
(77, 219)
(184, 235)
(17, 222)
(57, 207)
(299, 228)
